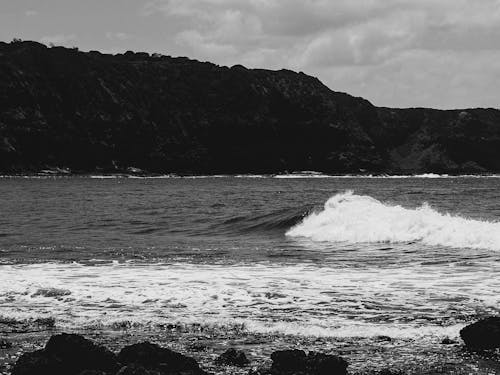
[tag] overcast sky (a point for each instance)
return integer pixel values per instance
(398, 53)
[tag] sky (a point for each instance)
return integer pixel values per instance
(395, 53)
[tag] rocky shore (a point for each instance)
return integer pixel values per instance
(140, 353)
(67, 111)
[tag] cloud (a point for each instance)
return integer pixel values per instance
(117, 35)
(58, 39)
(395, 52)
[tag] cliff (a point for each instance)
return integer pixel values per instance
(88, 111)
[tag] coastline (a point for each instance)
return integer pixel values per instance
(365, 356)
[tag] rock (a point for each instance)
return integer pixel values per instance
(233, 357)
(66, 354)
(292, 362)
(4, 344)
(484, 334)
(37, 363)
(162, 360)
(136, 370)
(176, 115)
(325, 364)
(288, 361)
(448, 341)
(383, 338)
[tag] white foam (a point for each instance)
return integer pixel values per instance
(300, 299)
(354, 218)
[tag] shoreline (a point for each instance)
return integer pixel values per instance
(364, 355)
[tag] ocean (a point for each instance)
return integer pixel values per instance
(302, 256)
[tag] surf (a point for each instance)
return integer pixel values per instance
(353, 219)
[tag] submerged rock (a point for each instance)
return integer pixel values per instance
(51, 292)
(484, 334)
(233, 357)
(162, 360)
(448, 341)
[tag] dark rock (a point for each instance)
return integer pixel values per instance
(136, 370)
(325, 364)
(37, 363)
(4, 344)
(448, 341)
(292, 362)
(233, 357)
(383, 338)
(288, 361)
(484, 334)
(91, 111)
(163, 360)
(66, 354)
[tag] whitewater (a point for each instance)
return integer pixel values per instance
(352, 218)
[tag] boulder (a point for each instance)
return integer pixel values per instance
(325, 364)
(136, 370)
(233, 357)
(36, 363)
(291, 362)
(285, 361)
(66, 354)
(163, 360)
(481, 335)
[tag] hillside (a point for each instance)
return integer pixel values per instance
(88, 111)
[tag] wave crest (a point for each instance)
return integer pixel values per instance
(354, 218)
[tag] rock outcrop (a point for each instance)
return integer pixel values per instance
(157, 360)
(65, 110)
(233, 357)
(483, 334)
(69, 354)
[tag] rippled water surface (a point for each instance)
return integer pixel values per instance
(337, 257)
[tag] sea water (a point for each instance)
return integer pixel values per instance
(297, 255)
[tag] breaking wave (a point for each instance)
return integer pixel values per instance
(354, 218)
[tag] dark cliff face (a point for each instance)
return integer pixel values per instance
(89, 111)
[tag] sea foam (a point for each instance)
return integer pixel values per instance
(351, 218)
